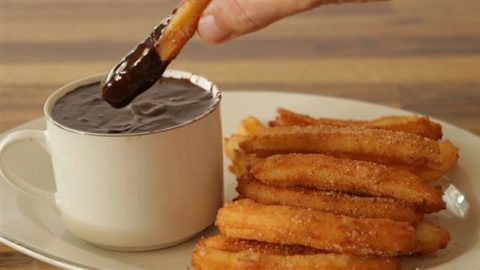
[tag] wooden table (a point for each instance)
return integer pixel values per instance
(422, 56)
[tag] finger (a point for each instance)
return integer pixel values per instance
(226, 19)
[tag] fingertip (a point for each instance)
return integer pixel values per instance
(211, 32)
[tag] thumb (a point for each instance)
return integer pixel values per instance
(227, 19)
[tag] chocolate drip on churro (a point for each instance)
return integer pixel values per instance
(143, 66)
(137, 72)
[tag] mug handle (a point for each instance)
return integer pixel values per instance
(37, 136)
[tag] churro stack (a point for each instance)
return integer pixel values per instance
(317, 193)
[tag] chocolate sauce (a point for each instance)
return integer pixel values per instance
(168, 103)
(136, 72)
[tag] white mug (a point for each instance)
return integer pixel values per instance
(131, 192)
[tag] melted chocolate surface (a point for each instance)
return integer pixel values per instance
(168, 103)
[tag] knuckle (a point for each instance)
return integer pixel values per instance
(243, 17)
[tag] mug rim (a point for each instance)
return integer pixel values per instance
(169, 73)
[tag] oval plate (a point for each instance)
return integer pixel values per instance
(36, 230)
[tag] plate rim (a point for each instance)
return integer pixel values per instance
(40, 255)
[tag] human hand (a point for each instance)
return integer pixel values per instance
(227, 19)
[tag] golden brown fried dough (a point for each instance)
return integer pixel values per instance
(181, 28)
(377, 145)
(352, 176)
(449, 157)
(420, 125)
(220, 253)
(431, 237)
(246, 219)
(289, 118)
(241, 164)
(250, 126)
(231, 145)
(332, 202)
(352, 187)
(240, 161)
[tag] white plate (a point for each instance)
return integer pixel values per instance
(35, 229)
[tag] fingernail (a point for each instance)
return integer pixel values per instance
(210, 31)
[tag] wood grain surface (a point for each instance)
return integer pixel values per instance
(422, 56)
